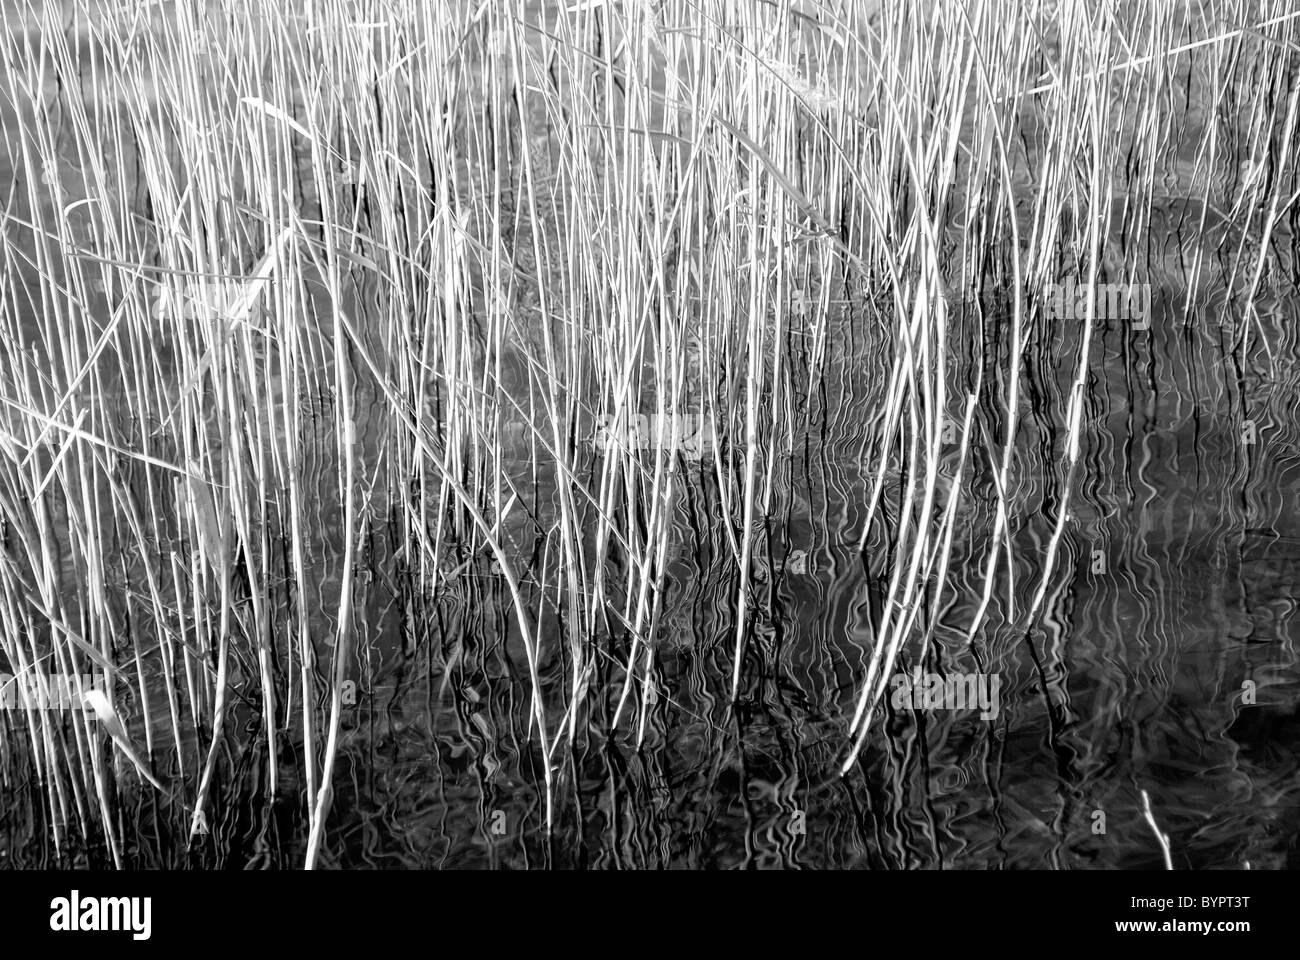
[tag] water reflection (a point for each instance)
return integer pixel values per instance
(1164, 659)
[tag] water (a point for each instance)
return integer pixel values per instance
(1164, 660)
(1134, 681)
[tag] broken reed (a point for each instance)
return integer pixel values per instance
(495, 231)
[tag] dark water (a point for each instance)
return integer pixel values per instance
(1164, 659)
(1135, 678)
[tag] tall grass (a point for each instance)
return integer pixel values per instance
(486, 276)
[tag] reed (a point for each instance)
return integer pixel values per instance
(521, 285)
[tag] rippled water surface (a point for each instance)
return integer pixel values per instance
(1164, 659)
